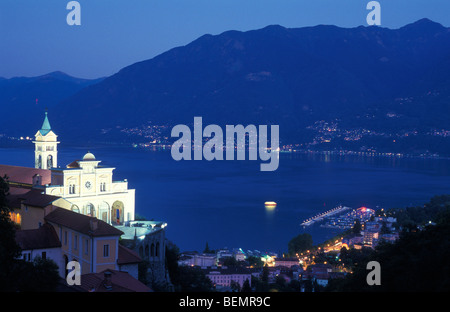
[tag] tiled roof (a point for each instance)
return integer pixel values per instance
(120, 282)
(42, 238)
(73, 164)
(127, 256)
(25, 174)
(29, 197)
(81, 223)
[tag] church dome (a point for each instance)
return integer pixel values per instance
(89, 156)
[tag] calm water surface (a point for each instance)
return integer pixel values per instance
(222, 202)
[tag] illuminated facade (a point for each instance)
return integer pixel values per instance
(90, 190)
(46, 147)
(87, 187)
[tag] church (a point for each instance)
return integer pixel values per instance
(79, 213)
(86, 185)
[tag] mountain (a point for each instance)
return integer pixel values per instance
(374, 85)
(22, 98)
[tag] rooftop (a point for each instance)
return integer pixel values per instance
(29, 197)
(127, 256)
(24, 175)
(44, 237)
(111, 281)
(81, 223)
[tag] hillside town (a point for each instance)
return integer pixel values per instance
(231, 269)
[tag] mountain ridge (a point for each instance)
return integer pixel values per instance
(293, 77)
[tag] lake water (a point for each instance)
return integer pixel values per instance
(222, 202)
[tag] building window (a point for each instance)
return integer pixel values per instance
(44, 255)
(65, 237)
(75, 209)
(86, 247)
(15, 217)
(75, 243)
(103, 187)
(105, 251)
(71, 188)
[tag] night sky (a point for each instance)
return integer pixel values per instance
(35, 38)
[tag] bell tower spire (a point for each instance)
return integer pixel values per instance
(46, 146)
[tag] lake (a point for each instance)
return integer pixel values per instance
(222, 202)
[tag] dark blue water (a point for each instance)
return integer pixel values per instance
(222, 202)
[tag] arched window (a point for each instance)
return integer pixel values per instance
(75, 209)
(146, 251)
(117, 212)
(103, 210)
(49, 161)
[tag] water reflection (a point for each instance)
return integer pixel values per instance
(270, 208)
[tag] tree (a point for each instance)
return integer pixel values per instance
(265, 279)
(255, 262)
(280, 283)
(384, 229)
(193, 279)
(172, 255)
(295, 285)
(416, 262)
(9, 250)
(246, 286)
(235, 287)
(40, 275)
(300, 243)
(230, 262)
(207, 250)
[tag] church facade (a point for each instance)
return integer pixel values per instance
(91, 190)
(87, 186)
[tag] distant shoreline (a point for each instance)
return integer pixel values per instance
(166, 147)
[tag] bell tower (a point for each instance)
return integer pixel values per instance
(46, 147)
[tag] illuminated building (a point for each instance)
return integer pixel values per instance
(225, 276)
(85, 186)
(46, 147)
